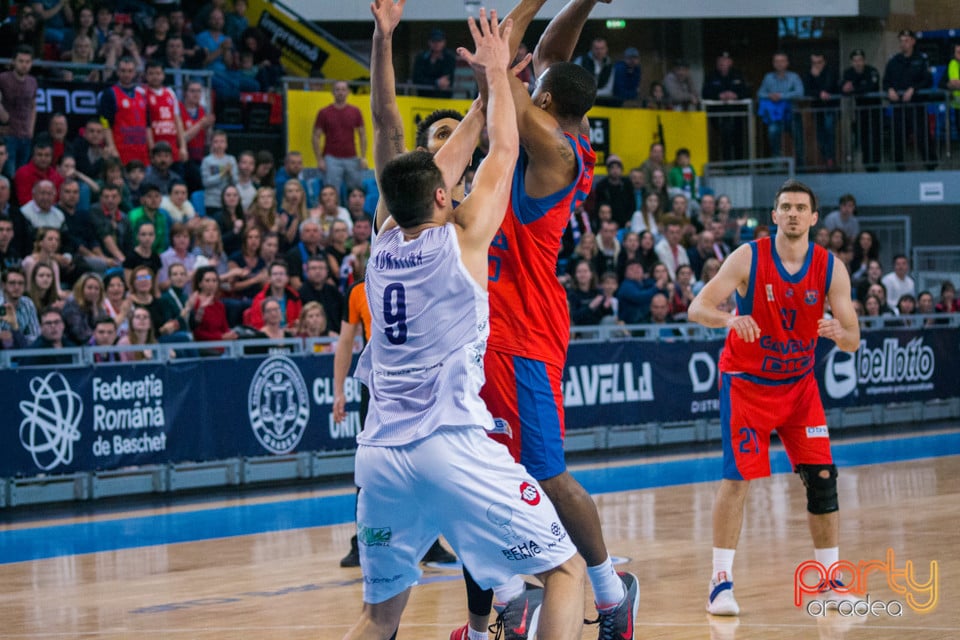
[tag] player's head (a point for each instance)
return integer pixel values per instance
(567, 90)
(795, 208)
(409, 184)
(795, 186)
(434, 130)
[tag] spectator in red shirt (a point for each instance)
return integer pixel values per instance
(40, 167)
(333, 141)
(208, 317)
(278, 287)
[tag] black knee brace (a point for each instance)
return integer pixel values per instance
(821, 492)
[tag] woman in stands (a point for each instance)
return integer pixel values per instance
(208, 315)
(292, 211)
(948, 298)
(658, 185)
(313, 324)
(865, 249)
(645, 218)
(231, 219)
(585, 251)
(337, 247)
(588, 305)
(143, 253)
(40, 287)
(208, 248)
(270, 307)
(647, 255)
(629, 250)
(145, 293)
(711, 266)
(46, 248)
(116, 302)
(263, 212)
(248, 267)
(82, 52)
(265, 170)
(84, 307)
(141, 332)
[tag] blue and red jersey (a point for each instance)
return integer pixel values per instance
(787, 308)
(528, 306)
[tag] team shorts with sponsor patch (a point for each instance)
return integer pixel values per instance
(526, 401)
(751, 410)
(460, 483)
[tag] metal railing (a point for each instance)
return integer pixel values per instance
(80, 70)
(934, 265)
(161, 352)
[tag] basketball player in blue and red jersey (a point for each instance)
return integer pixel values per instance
(529, 318)
(767, 379)
(123, 108)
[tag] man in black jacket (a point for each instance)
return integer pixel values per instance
(907, 73)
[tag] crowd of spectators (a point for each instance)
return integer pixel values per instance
(146, 227)
(638, 250)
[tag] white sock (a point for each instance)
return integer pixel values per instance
(723, 563)
(509, 591)
(608, 590)
(477, 635)
(828, 556)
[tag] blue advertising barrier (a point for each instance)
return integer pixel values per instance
(116, 415)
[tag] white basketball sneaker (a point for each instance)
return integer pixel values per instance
(721, 601)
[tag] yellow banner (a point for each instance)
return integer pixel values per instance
(627, 133)
(306, 51)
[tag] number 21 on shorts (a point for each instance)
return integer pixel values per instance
(749, 440)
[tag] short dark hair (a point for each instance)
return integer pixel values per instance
(104, 320)
(24, 49)
(278, 263)
(795, 186)
(572, 88)
(154, 63)
(50, 311)
(42, 141)
(848, 197)
(200, 272)
(423, 129)
(149, 187)
(9, 270)
(407, 185)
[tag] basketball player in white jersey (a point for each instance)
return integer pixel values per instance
(424, 463)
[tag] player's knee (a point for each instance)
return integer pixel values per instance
(821, 483)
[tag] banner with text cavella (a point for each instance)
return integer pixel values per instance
(109, 416)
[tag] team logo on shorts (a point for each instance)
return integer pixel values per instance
(811, 296)
(279, 404)
(501, 426)
(374, 536)
(529, 494)
(818, 432)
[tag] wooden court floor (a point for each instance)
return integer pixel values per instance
(287, 584)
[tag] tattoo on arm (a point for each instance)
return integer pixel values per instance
(396, 137)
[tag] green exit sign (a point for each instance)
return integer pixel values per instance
(616, 24)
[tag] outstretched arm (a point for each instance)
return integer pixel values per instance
(387, 123)
(521, 16)
(455, 155)
(561, 35)
(480, 215)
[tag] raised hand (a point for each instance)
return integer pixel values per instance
(386, 15)
(493, 48)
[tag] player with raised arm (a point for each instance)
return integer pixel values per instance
(781, 286)
(529, 318)
(416, 461)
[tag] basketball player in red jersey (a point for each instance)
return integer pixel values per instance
(163, 113)
(123, 108)
(781, 285)
(529, 318)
